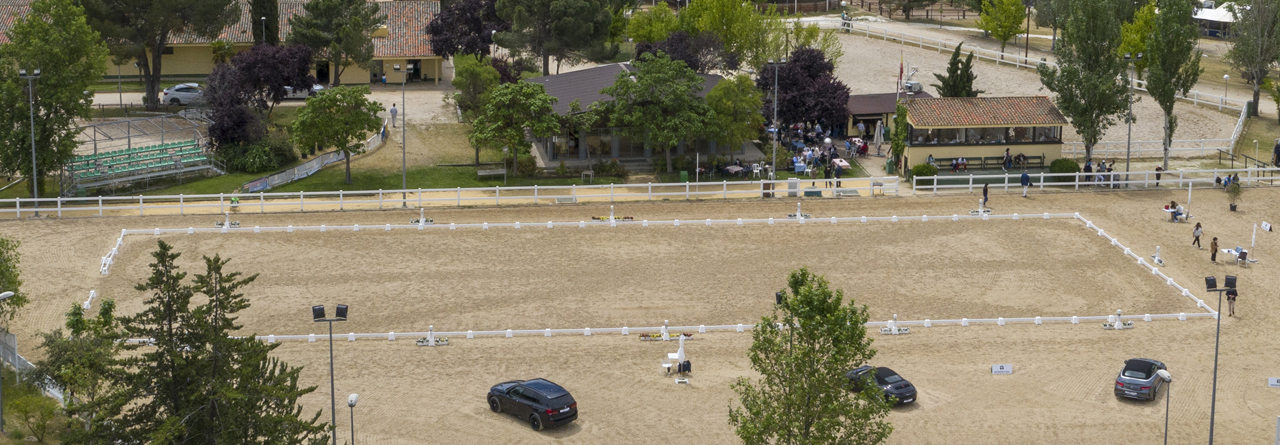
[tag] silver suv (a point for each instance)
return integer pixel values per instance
(1139, 379)
(182, 94)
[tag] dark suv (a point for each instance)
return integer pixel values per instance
(888, 381)
(537, 401)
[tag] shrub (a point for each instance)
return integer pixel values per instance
(281, 148)
(659, 164)
(17, 435)
(37, 413)
(924, 170)
(610, 168)
(250, 158)
(561, 170)
(527, 167)
(1064, 165)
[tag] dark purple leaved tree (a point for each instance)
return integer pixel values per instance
(703, 52)
(228, 100)
(268, 72)
(465, 27)
(507, 71)
(808, 91)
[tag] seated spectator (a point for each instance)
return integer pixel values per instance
(964, 164)
(955, 165)
(930, 160)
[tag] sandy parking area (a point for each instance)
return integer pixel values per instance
(610, 277)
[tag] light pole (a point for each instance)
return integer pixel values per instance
(340, 314)
(404, 123)
(1211, 285)
(1225, 79)
(1164, 375)
(119, 87)
(31, 109)
(3, 296)
(264, 30)
(776, 128)
(504, 165)
(351, 403)
(1128, 140)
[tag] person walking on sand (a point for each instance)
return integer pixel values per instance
(985, 197)
(394, 111)
(1231, 302)
(1213, 246)
(1026, 182)
(1196, 232)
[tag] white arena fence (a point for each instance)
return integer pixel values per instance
(892, 324)
(9, 354)
(1074, 181)
(459, 196)
(1195, 97)
(1155, 149)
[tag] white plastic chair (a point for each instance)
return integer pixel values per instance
(755, 170)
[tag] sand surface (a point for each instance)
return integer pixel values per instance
(573, 278)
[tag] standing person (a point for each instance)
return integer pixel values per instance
(985, 197)
(862, 133)
(1088, 171)
(1196, 232)
(393, 115)
(826, 174)
(1276, 157)
(1026, 182)
(1231, 302)
(839, 173)
(1158, 170)
(1007, 162)
(1213, 245)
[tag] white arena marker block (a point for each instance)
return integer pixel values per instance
(1169, 281)
(191, 230)
(389, 227)
(547, 333)
(613, 223)
(1186, 292)
(955, 217)
(1046, 215)
(1182, 316)
(517, 224)
(800, 220)
(289, 229)
(582, 224)
(356, 228)
(1015, 216)
(1039, 321)
(924, 218)
(771, 221)
(420, 226)
(833, 220)
(739, 221)
(311, 338)
(708, 221)
(1126, 251)
(549, 224)
(1075, 319)
(391, 336)
(644, 223)
(257, 229)
(894, 219)
(508, 333)
(625, 330)
(739, 327)
(677, 223)
(928, 323)
(471, 334)
(864, 219)
(453, 226)
(351, 336)
(985, 215)
(702, 329)
(1000, 321)
(1146, 317)
(1101, 233)
(964, 322)
(586, 332)
(484, 226)
(322, 228)
(157, 231)
(271, 339)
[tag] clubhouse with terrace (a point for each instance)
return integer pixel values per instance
(980, 129)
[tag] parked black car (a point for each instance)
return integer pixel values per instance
(890, 382)
(537, 401)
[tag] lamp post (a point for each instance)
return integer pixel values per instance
(1164, 375)
(31, 109)
(3, 296)
(351, 403)
(1128, 140)
(119, 87)
(404, 123)
(504, 165)
(776, 128)
(1225, 79)
(340, 314)
(1211, 285)
(264, 30)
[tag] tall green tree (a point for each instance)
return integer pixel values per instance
(959, 79)
(744, 31)
(653, 25)
(908, 6)
(339, 117)
(658, 102)
(474, 81)
(559, 28)
(513, 108)
(271, 10)
(56, 39)
(1003, 19)
(898, 137)
(1085, 80)
(83, 363)
(802, 352)
(1173, 62)
(1051, 14)
(338, 31)
(735, 105)
(141, 30)
(794, 35)
(1136, 37)
(1257, 41)
(11, 279)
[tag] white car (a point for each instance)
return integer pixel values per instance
(290, 94)
(182, 94)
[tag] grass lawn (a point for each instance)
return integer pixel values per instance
(1263, 129)
(48, 189)
(333, 178)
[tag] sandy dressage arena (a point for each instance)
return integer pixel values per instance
(600, 277)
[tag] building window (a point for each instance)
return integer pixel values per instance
(987, 135)
(167, 50)
(1048, 134)
(1021, 134)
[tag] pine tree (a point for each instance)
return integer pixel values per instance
(959, 79)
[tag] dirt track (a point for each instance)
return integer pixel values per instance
(573, 278)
